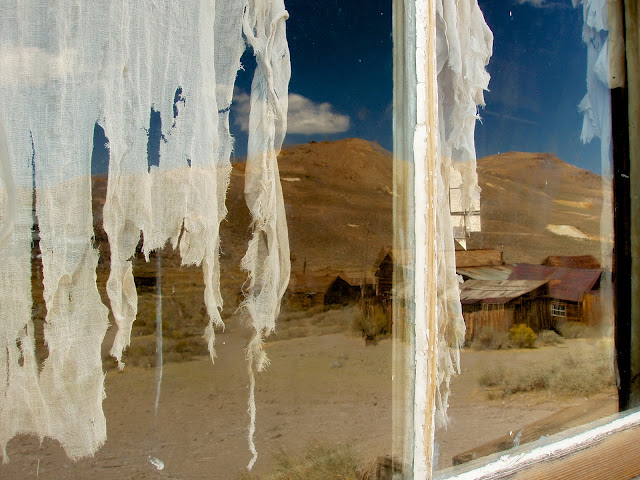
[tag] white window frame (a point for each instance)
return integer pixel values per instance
(415, 143)
(558, 310)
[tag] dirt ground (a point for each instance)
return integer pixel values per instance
(329, 389)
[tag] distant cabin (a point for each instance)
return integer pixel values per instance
(307, 291)
(500, 304)
(573, 292)
(384, 275)
(341, 292)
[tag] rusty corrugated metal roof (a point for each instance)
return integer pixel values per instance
(489, 272)
(496, 291)
(564, 283)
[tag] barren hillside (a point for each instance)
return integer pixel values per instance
(534, 205)
(338, 199)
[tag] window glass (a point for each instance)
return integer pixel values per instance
(336, 399)
(537, 293)
(324, 404)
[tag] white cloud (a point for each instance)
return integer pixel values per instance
(308, 118)
(305, 117)
(241, 107)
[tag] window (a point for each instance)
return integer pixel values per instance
(171, 411)
(558, 310)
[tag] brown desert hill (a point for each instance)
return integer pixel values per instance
(534, 205)
(338, 199)
(338, 202)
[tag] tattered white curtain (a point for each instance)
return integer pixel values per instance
(67, 64)
(464, 44)
(450, 85)
(602, 32)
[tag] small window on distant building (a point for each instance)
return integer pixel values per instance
(558, 310)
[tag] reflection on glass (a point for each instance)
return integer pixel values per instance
(325, 401)
(536, 296)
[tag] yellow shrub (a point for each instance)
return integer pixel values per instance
(522, 336)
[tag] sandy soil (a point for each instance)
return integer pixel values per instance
(329, 389)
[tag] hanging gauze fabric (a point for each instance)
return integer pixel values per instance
(65, 66)
(464, 47)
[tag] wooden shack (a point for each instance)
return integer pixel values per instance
(341, 292)
(306, 291)
(384, 274)
(567, 289)
(500, 304)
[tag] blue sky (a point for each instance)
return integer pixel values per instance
(341, 56)
(538, 77)
(342, 72)
(342, 69)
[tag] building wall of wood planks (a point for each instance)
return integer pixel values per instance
(592, 308)
(533, 312)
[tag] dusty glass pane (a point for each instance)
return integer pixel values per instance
(537, 294)
(326, 398)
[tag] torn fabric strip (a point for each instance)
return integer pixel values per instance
(67, 64)
(464, 47)
(49, 109)
(267, 259)
(605, 70)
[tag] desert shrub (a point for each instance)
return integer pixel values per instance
(580, 374)
(522, 336)
(492, 376)
(586, 373)
(549, 337)
(489, 339)
(572, 329)
(320, 320)
(528, 379)
(505, 381)
(318, 463)
(372, 322)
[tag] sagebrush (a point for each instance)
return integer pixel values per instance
(522, 336)
(579, 374)
(317, 463)
(490, 339)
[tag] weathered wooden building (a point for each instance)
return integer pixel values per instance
(341, 292)
(568, 289)
(306, 291)
(384, 273)
(500, 304)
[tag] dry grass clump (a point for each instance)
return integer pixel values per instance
(522, 336)
(319, 320)
(317, 463)
(549, 338)
(572, 329)
(579, 374)
(372, 322)
(585, 374)
(489, 339)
